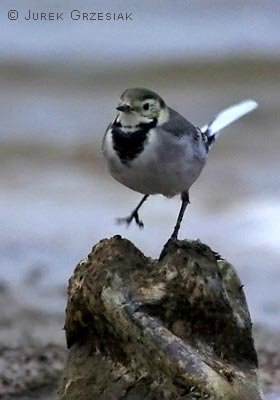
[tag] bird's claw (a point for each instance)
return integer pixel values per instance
(169, 242)
(128, 220)
(138, 221)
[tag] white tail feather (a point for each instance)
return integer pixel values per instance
(227, 116)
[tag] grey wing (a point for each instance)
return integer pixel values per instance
(178, 125)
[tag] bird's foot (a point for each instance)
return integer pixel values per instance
(127, 220)
(169, 242)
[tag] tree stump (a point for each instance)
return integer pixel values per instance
(138, 328)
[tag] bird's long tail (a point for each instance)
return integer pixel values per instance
(226, 117)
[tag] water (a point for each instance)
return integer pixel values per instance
(59, 85)
(57, 200)
(272, 397)
(180, 30)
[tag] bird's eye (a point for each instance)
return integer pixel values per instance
(146, 106)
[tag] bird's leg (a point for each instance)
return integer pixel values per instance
(134, 215)
(173, 237)
(185, 201)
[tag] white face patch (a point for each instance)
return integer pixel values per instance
(163, 116)
(131, 119)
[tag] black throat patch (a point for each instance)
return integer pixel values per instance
(129, 145)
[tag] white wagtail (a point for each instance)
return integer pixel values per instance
(152, 149)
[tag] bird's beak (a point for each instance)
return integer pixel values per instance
(124, 108)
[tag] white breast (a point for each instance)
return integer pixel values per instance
(168, 165)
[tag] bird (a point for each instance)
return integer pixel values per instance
(152, 149)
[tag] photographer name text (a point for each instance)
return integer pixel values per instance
(74, 15)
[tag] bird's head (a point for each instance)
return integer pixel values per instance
(139, 105)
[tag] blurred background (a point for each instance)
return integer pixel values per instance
(60, 82)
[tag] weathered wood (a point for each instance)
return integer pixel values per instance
(178, 328)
